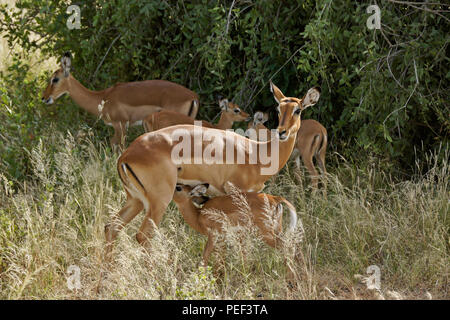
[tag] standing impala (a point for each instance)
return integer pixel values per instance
(311, 142)
(230, 113)
(149, 167)
(123, 104)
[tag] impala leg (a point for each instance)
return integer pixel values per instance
(153, 218)
(208, 249)
(308, 161)
(123, 217)
(321, 162)
(298, 173)
(297, 162)
(158, 186)
(118, 139)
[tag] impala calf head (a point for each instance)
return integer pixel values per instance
(58, 83)
(232, 110)
(260, 118)
(290, 109)
(196, 194)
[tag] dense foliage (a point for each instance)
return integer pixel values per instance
(383, 91)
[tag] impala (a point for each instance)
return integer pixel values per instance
(123, 104)
(311, 142)
(149, 171)
(258, 127)
(264, 211)
(230, 113)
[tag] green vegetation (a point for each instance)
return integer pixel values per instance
(385, 103)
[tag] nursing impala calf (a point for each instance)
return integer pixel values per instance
(265, 212)
(123, 104)
(311, 142)
(230, 113)
(150, 167)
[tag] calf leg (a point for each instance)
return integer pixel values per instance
(208, 249)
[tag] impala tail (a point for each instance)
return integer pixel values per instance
(292, 215)
(130, 180)
(193, 109)
(323, 144)
(149, 122)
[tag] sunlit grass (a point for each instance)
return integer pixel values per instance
(56, 219)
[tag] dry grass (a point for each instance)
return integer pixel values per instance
(57, 220)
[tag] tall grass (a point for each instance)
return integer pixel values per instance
(56, 219)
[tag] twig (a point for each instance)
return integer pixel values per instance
(273, 75)
(229, 15)
(411, 4)
(415, 87)
(103, 59)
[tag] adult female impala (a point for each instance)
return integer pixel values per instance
(123, 104)
(230, 113)
(311, 142)
(150, 172)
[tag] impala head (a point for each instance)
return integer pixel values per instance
(290, 109)
(260, 118)
(58, 84)
(195, 194)
(232, 110)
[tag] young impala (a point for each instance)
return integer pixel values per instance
(123, 104)
(311, 142)
(150, 169)
(230, 113)
(265, 212)
(259, 118)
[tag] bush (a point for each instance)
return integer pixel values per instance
(384, 92)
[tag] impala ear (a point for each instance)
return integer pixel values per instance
(311, 97)
(200, 189)
(259, 117)
(277, 94)
(223, 103)
(265, 117)
(66, 63)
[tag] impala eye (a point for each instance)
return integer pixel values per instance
(297, 112)
(237, 110)
(178, 188)
(55, 80)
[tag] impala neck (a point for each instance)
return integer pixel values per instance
(225, 122)
(260, 126)
(190, 214)
(285, 149)
(85, 98)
